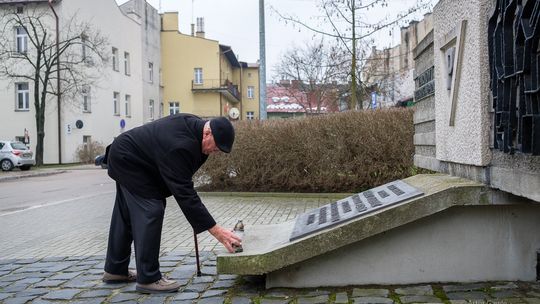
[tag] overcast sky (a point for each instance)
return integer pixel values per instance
(236, 23)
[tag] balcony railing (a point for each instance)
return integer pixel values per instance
(226, 87)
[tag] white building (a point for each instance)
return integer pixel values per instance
(113, 104)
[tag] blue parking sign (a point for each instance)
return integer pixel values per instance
(373, 100)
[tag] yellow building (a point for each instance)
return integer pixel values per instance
(203, 77)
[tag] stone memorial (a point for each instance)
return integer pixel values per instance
(477, 124)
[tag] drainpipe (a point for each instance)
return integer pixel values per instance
(58, 84)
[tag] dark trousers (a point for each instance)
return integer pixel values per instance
(138, 220)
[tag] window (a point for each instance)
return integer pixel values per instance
(250, 92)
(115, 59)
(151, 72)
(20, 10)
(198, 76)
(126, 63)
(249, 75)
(174, 108)
(84, 41)
(87, 140)
(250, 115)
(160, 109)
(151, 109)
(86, 103)
(23, 97)
(116, 103)
(128, 105)
(1, 145)
(22, 40)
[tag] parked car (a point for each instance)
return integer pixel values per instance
(15, 154)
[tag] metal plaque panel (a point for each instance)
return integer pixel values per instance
(352, 207)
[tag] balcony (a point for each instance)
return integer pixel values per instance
(225, 87)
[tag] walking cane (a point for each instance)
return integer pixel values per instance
(197, 253)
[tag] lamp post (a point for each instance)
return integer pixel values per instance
(58, 84)
(262, 67)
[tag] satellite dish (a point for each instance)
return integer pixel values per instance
(234, 113)
(79, 124)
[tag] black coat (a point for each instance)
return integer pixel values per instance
(158, 160)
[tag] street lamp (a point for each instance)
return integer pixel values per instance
(58, 84)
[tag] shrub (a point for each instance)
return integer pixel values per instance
(345, 152)
(86, 153)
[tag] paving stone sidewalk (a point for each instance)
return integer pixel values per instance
(78, 280)
(39, 264)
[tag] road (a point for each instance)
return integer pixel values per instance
(36, 192)
(69, 214)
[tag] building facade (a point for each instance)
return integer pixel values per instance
(203, 77)
(150, 22)
(100, 112)
(389, 73)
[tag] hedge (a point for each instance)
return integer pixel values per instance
(344, 152)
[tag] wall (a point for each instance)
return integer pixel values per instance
(122, 33)
(181, 54)
(467, 142)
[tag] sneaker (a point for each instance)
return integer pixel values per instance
(161, 286)
(120, 278)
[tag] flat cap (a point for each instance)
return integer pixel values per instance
(223, 132)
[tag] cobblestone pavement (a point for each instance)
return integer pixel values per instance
(54, 254)
(77, 280)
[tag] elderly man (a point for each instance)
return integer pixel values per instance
(149, 164)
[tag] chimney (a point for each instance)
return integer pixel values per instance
(192, 29)
(200, 27)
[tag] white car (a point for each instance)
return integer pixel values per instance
(15, 154)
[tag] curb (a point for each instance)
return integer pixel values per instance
(37, 174)
(276, 194)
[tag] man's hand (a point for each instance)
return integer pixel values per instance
(225, 237)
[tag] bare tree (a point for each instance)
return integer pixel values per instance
(342, 20)
(315, 70)
(28, 53)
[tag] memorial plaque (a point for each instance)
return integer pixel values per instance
(352, 207)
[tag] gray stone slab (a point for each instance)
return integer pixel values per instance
(30, 280)
(419, 299)
(313, 300)
(279, 293)
(372, 300)
(53, 259)
(95, 293)
(5, 295)
(88, 301)
(196, 287)
(317, 292)
(37, 275)
(154, 299)
(532, 300)
(424, 290)
(110, 285)
(124, 297)
(223, 284)
(467, 295)
(214, 300)
(370, 292)
(76, 268)
(464, 287)
(186, 296)
(202, 279)
(509, 285)
(15, 287)
(50, 283)
(168, 263)
(505, 294)
(18, 300)
(32, 292)
(62, 294)
(79, 283)
(227, 277)
(341, 297)
(26, 261)
(274, 301)
(240, 300)
(213, 293)
(65, 276)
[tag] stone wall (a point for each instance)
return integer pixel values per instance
(424, 108)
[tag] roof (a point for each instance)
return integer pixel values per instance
(228, 52)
